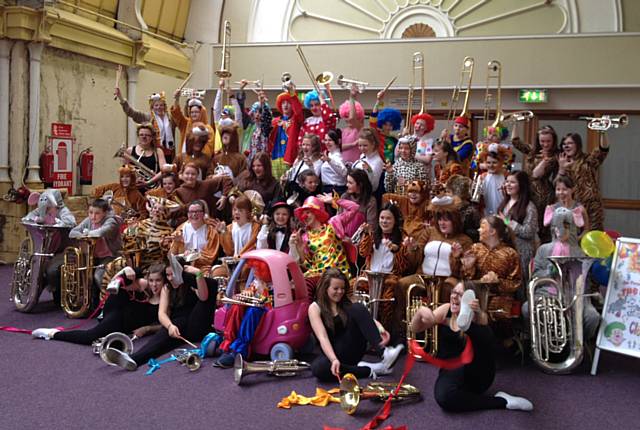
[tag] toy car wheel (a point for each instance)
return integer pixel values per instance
(281, 351)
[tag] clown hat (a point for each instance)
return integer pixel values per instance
(279, 204)
(316, 206)
(462, 120)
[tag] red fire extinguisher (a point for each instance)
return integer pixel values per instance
(85, 164)
(46, 167)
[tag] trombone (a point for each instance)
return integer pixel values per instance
(494, 73)
(225, 67)
(466, 74)
(417, 66)
(323, 78)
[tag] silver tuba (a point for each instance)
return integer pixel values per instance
(115, 340)
(556, 317)
(243, 368)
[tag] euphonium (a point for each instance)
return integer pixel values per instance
(190, 359)
(115, 340)
(142, 171)
(556, 317)
(429, 287)
(351, 393)
(243, 368)
(76, 286)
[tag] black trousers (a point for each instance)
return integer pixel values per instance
(350, 345)
(120, 314)
(194, 325)
(462, 389)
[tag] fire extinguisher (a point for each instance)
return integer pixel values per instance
(46, 167)
(85, 167)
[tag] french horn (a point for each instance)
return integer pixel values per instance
(351, 393)
(243, 368)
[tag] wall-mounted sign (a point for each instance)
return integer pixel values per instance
(533, 96)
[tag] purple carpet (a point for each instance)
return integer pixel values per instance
(48, 384)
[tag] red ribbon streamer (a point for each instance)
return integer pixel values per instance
(11, 329)
(451, 363)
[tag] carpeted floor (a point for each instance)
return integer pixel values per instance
(48, 384)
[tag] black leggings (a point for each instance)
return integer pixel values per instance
(194, 326)
(461, 390)
(120, 314)
(350, 345)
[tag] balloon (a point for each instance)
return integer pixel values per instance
(597, 244)
(613, 234)
(600, 271)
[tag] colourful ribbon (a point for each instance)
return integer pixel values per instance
(322, 398)
(12, 329)
(451, 363)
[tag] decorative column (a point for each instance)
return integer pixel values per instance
(33, 167)
(132, 83)
(5, 53)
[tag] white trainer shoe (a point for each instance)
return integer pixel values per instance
(44, 333)
(391, 355)
(466, 313)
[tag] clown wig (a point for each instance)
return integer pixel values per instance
(390, 115)
(346, 107)
(309, 97)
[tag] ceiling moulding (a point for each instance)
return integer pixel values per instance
(67, 31)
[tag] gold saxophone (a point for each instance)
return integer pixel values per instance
(76, 287)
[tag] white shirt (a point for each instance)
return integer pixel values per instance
(382, 258)
(240, 236)
(317, 165)
(491, 192)
(436, 258)
(263, 235)
(334, 172)
(194, 240)
(376, 166)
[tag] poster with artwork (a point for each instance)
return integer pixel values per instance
(620, 327)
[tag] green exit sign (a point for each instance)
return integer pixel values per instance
(533, 96)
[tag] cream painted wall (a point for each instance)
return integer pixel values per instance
(79, 90)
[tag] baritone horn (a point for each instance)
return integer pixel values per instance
(346, 83)
(115, 340)
(243, 368)
(143, 172)
(430, 287)
(351, 393)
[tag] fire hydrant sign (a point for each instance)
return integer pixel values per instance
(62, 149)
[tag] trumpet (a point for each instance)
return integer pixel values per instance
(466, 72)
(287, 82)
(243, 368)
(605, 122)
(346, 83)
(351, 393)
(192, 93)
(246, 300)
(257, 84)
(190, 359)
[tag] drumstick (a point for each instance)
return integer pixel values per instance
(118, 73)
(185, 82)
(389, 84)
(187, 342)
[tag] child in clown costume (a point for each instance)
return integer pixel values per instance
(285, 129)
(385, 122)
(461, 141)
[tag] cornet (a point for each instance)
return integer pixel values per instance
(605, 122)
(346, 83)
(287, 82)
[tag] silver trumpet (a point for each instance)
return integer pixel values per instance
(521, 115)
(605, 122)
(243, 368)
(190, 359)
(556, 317)
(346, 83)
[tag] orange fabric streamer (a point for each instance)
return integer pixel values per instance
(322, 398)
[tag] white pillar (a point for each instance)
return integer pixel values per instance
(33, 167)
(132, 83)
(5, 53)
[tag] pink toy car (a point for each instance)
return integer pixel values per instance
(285, 327)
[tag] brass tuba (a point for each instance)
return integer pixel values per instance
(243, 368)
(115, 340)
(429, 287)
(556, 318)
(76, 286)
(351, 393)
